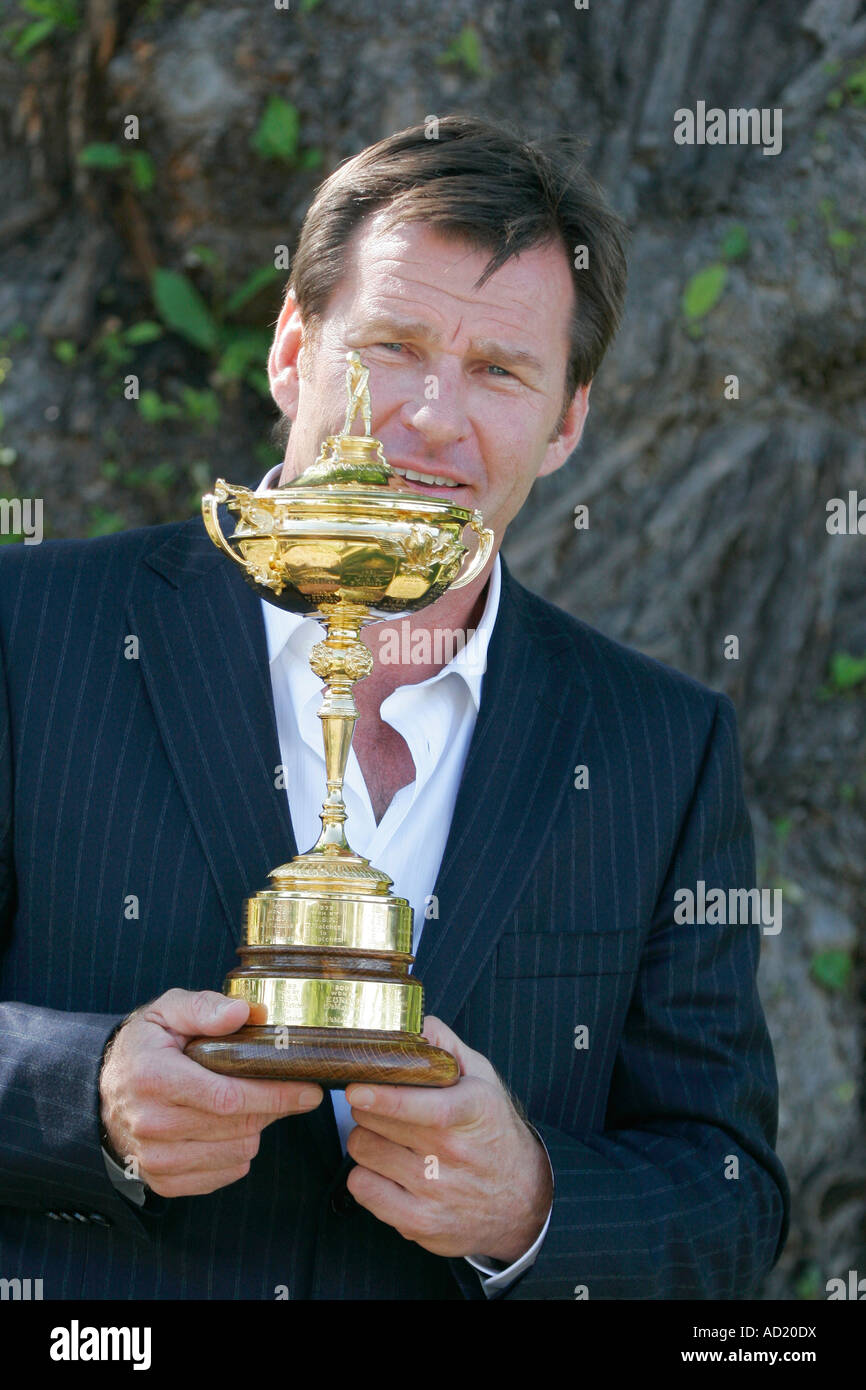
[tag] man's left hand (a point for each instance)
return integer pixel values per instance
(453, 1168)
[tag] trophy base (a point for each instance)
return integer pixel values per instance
(332, 1057)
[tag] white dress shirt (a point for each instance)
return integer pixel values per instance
(436, 717)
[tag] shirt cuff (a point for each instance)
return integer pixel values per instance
(131, 1188)
(495, 1277)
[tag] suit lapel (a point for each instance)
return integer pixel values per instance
(204, 661)
(519, 766)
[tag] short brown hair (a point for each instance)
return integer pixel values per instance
(491, 188)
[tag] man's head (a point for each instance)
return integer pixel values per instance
(481, 279)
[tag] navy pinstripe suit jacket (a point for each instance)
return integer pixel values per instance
(154, 776)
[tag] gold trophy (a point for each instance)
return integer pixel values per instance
(328, 946)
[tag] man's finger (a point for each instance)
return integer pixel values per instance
(471, 1063)
(387, 1158)
(422, 1106)
(178, 1080)
(386, 1200)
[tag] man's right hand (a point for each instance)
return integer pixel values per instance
(191, 1130)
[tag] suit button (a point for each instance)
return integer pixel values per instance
(66, 1216)
(342, 1202)
(79, 1216)
(98, 1219)
(55, 1215)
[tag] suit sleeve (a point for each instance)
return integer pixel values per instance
(681, 1195)
(50, 1154)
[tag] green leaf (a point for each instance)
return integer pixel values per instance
(102, 157)
(31, 36)
(840, 239)
(154, 410)
(245, 348)
(310, 159)
(855, 85)
(704, 290)
(162, 475)
(832, 969)
(279, 130)
(809, 1283)
(736, 242)
(265, 275)
(65, 351)
(464, 49)
(181, 307)
(847, 671)
(834, 99)
(201, 406)
(103, 523)
(257, 377)
(145, 331)
(143, 172)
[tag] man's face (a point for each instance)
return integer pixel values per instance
(466, 384)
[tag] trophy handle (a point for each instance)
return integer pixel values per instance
(209, 504)
(482, 554)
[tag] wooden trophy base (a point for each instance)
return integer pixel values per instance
(332, 1057)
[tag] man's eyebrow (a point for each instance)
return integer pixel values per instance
(482, 347)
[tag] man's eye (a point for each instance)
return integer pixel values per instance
(398, 346)
(492, 367)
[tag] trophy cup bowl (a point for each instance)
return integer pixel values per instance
(328, 947)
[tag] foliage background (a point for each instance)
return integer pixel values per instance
(707, 515)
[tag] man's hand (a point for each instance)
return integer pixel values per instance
(454, 1169)
(190, 1130)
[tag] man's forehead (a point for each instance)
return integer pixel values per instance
(414, 266)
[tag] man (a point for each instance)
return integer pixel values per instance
(611, 1135)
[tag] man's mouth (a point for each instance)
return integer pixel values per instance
(424, 479)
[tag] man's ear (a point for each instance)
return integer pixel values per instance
(568, 436)
(284, 364)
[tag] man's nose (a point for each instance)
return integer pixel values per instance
(438, 410)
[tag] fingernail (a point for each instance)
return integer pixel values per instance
(362, 1098)
(308, 1098)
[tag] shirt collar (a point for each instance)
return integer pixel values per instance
(470, 662)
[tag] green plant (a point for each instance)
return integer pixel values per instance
(464, 50)
(44, 17)
(238, 350)
(114, 344)
(153, 409)
(202, 407)
(278, 135)
(136, 163)
(65, 351)
(832, 969)
(736, 243)
(703, 292)
(846, 673)
(808, 1284)
(103, 523)
(855, 86)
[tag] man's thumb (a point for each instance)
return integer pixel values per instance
(470, 1063)
(194, 1012)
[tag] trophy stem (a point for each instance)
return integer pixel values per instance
(340, 661)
